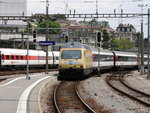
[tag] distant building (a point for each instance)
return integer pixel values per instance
(85, 31)
(94, 22)
(13, 8)
(101, 25)
(83, 34)
(65, 23)
(126, 31)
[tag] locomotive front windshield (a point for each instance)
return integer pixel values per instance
(71, 54)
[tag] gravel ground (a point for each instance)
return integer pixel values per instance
(108, 99)
(139, 82)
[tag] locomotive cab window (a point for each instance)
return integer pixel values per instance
(71, 54)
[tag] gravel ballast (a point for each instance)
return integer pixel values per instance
(108, 99)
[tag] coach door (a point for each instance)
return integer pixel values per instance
(53, 56)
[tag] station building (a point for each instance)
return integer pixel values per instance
(13, 8)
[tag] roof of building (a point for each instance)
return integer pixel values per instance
(68, 22)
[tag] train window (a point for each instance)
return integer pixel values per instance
(21, 57)
(42, 58)
(145, 59)
(103, 57)
(17, 57)
(109, 58)
(71, 54)
(7, 57)
(119, 58)
(12, 57)
(49, 58)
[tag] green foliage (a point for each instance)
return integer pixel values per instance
(106, 38)
(53, 25)
(32, 46)
(28, 28)
(121, 44)
(58, 17)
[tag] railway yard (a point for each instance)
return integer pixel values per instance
(75, 59)
(102, 98)
(97, 94)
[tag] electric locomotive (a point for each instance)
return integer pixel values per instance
(75, 61)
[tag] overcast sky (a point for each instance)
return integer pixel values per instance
(89, 6)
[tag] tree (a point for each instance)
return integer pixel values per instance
(28, 28)
(121, 44)
(51, 25)
(105, 40)
(58, 17)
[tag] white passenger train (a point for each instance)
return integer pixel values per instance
(17, 58)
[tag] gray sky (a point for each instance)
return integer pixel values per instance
(89, 6)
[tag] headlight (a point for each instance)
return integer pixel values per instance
(79, 66)
(62, 66)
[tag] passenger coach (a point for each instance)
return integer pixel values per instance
(17, 58)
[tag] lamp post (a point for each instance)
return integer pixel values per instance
(27, 57)
(142, 43)
(99, 36)
(27, 74)
(148, 69)
(138, 42)
(46, 38)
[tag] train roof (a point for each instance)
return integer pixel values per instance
(75, 45)
(12, 51)
(122, 53)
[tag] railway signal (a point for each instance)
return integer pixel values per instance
(66, 39)
(34, 36)
(99, 36)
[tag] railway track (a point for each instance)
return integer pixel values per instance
(67, 99)
(118, 82)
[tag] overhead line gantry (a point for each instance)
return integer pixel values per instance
(104, 15)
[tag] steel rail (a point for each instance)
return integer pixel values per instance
(88, 108)
(127, 85)
(128, 95)
(55, 98)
